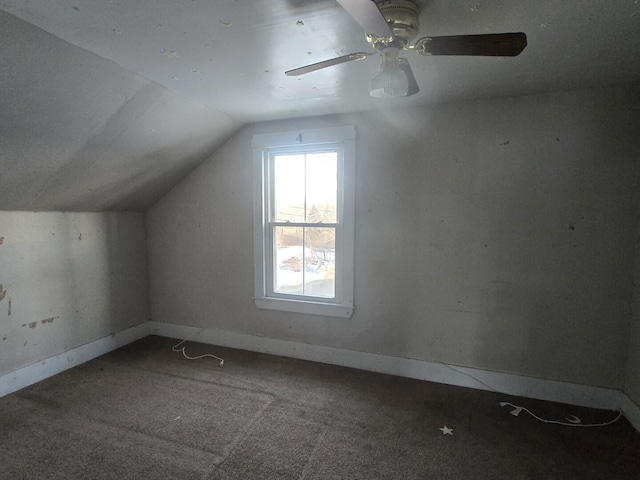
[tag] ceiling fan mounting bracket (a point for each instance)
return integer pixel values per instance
(403, 18)
(421, 46)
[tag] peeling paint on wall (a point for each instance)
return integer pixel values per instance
(43, 321)
(3, 292)
(1, 240)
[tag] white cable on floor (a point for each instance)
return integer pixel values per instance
(569, 423)
(175, 349)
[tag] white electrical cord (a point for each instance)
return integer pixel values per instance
(176, 349)
(572, 421)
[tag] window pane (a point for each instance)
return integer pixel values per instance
(289, 271)
(305, 261)
(289, 187)
(320, 262)
(322, 187)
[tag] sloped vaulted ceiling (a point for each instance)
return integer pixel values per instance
(79, 132)
(106, 104)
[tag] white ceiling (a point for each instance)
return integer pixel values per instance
(224, 61)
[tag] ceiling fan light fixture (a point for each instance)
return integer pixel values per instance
(389, 82)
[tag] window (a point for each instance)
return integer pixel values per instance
(304, 220)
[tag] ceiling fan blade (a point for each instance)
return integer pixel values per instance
(327, 63)
(406, 68)
(490, 45)
(367, 14)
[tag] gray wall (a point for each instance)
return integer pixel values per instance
(497, 234)
(68, 279)
(632, 385)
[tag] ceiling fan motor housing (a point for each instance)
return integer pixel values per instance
(403, 18)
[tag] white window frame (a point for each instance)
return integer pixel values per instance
(264, 147)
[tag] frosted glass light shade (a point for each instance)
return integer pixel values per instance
(389, 82)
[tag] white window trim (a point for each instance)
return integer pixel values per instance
(262, 144)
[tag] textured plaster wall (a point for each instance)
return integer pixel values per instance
(497, 234)
(68, 279)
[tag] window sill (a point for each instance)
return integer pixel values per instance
(312, 308)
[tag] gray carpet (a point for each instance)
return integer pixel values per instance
(145, 412)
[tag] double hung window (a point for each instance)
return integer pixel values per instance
(303, 220)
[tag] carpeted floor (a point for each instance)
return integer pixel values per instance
(145, 412)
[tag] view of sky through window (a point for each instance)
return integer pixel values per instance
(305, 195)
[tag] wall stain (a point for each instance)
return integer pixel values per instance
(3, 292)
(80, 237)
(43, 321)
(1, 240)
(9, 309)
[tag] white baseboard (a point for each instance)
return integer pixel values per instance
(631, 411)
(25, 376)
(550, 390)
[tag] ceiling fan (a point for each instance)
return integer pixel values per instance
(390, 26)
